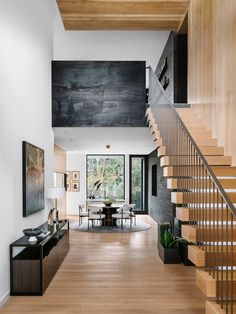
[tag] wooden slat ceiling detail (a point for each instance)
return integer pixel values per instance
(122, 14)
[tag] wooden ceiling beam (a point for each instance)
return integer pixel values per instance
(121, 7)
(122, 14)
(120, 25)
(122, 17)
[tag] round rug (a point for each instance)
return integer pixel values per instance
(140, 226)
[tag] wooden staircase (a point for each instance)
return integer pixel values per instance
(204, 193)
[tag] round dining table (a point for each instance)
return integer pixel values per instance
(108, 211)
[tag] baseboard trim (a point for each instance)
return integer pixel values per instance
(4, 299)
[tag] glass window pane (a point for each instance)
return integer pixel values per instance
(137, 176)
(105, 177)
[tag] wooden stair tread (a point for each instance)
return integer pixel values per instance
(214, 308)
(185, 160)
(230, 273)
(209, 285)
(189, 233)
(211, 150)
(212, 256)
(206, 151)
(219, 171)
(179, 183)
(200, 197)
(203, 214)
(224, 171)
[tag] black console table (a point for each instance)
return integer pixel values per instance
(33, 265)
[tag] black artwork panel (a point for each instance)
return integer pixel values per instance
(154, 180)
(98, 93)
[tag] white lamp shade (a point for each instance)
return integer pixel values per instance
(55, 193)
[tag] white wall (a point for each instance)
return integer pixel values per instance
(25, 114)
(77, 162)
(108, 45)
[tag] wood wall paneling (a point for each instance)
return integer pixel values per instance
(212, 67)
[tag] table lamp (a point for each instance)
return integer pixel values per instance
(56, 193)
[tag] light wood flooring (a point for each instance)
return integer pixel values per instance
(114, 273)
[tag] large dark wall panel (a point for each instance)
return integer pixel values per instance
(172, 68)
(160, 206)
(98, 93)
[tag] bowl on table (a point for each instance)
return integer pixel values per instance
(107, 203)
(32, 233)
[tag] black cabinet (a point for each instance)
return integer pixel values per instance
(172, 68)
(33, 265)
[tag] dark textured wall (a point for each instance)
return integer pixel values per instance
(172, 68)
(160, 206)
(98, 93)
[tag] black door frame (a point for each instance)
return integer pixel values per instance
(145, 183)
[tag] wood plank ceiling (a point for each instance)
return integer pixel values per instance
(122, 14)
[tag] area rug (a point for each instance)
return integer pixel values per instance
(140, 226)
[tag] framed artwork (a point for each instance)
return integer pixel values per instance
(68, 186)
(33, 178)
(75, 175)
(75, 186)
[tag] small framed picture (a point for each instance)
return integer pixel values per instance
(75, 186)
(75, 175)
(68, 187)
(68, 176)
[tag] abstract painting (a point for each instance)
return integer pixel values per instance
(33, 178)
(98, 93)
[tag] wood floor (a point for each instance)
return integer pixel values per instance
(115, 274)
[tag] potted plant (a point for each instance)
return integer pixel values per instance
(168, 247)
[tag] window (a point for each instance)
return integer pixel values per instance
(106, 177)
(137, 175)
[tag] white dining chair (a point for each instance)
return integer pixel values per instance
(122, 214)
(95, 213)
(132, 212)
(82, 213)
